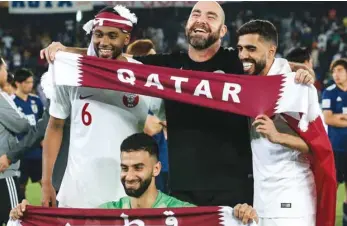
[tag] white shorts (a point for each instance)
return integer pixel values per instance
(309, 220)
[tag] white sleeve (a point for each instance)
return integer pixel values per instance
(158, 108)
(60, 106)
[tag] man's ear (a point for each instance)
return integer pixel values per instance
(272, 50)
(223, 31)
(157, 169)
(127, 39)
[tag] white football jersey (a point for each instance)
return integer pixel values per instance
(283, 181)
(100, 121)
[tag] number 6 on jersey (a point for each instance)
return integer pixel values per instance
(86, 116)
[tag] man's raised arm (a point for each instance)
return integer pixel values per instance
(50, 51)
(297, 66)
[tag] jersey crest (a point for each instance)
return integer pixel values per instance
(131, 100)
(34, 107)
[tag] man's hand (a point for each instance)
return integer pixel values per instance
(152, 125)
(266, 127)
(4, 163)
(50, 51)
(48, 194)
(18, 211)
(304, 77)
(245, 213)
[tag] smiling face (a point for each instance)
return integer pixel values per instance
(205, 25)
(109, 41)
(138, 172)
(255, 53)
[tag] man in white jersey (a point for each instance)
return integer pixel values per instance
(97, 128)
(284, 187)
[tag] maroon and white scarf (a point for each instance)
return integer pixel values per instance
(241, 94)
(188, 216)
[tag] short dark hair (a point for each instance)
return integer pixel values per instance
(340, 62)
(22, 74)
(140, 142)
(263, 28)
(140, 47)
(299, 55)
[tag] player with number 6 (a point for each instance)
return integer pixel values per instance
(97, 128)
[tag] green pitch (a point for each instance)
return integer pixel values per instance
(33, 194)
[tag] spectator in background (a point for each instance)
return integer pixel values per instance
(11, 122)
(144, 47)
(334, 104)
(28, 60)
(7, 39)
(32, 108)
(16, 58)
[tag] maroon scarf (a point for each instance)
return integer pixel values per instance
(188, 216)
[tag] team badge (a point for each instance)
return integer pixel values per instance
(130, 100)
(34, 107)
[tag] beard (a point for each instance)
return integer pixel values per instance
(258, 65)
(136, 193)
(197, 41)
(115, 51)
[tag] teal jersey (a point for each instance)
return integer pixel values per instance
(162, 201)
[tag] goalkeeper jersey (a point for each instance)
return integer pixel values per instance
(162, 201)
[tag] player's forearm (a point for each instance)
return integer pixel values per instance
(296, 66)
(292, 142)
(82, 51)
(51, 147)
(336, 120)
